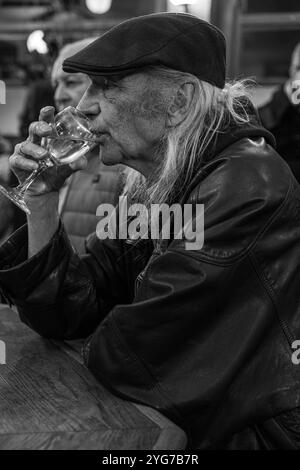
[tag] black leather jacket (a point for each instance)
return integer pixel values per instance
(203, 336)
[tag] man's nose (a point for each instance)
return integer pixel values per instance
(88, 106)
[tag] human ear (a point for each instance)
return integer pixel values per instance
(180, 105)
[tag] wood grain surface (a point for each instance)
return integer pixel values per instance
(49, 400)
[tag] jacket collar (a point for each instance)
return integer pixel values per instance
(234, 133)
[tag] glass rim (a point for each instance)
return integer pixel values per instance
(74, 112)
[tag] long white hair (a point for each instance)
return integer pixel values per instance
(183, 147)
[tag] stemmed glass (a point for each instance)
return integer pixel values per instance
(72, 138)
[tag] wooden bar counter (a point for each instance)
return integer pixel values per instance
(49, 400)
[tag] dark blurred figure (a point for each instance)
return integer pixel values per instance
(40, 94)
(282, 117)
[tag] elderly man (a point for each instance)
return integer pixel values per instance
(205, 335)
(281, 115)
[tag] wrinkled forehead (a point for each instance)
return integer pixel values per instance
(137, 79)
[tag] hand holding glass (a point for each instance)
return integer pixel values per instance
(72, 138)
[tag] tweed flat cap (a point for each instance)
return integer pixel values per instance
(176, 40)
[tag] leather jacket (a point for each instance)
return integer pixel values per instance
(203, 336)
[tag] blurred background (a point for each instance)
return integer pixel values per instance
(261, 36)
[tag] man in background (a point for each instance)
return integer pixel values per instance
(98, 183)
(281, 115)
(84, 191)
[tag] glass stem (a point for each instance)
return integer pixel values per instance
(22, 188)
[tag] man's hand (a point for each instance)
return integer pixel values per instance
(28, 154)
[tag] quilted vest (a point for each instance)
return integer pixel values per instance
(87, 189)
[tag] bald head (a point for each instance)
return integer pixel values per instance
(69, 87)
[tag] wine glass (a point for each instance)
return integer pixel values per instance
(72, 138)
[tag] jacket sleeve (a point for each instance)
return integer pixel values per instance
(59, 294)
(273, 112)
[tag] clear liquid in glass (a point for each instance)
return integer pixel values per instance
(65, 151)
(73, 138)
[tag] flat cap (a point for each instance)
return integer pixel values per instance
(176, 40)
